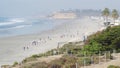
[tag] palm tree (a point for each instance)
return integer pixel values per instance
(106, 13)
(115, 14)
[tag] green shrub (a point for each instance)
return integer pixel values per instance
(86, 61)
(15, 63)
(112, 66)
(35, 56)
(36, 65)
(29, 59)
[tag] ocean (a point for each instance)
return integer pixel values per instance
(22, 26)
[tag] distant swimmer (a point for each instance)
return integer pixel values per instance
(34, 43)
(84, 38)
(24, 48)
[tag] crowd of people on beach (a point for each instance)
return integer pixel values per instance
(45, 40)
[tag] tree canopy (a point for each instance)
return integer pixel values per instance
(115, 14)
(106, 12)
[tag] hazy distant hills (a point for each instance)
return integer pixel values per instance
(71, 14)
(85, 12)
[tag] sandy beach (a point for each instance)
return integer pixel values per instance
(18, 47)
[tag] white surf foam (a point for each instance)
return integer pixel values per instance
(21, 26)
(12, 21)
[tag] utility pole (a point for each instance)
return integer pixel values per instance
(92, 60)
(109, 55)
(99, 57)
(114, 53)
(105, 60)
(76, 65)
(105, 57)
(84, 60)
(58, 48)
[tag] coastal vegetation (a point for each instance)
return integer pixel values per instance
(115, 14)
(106, 13)
(112, 66)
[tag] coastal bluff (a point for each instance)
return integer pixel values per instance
(63, 15)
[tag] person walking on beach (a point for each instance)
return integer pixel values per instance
(34, 43)
(84, 38)
(24, 48)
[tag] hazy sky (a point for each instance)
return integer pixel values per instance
(19, 8)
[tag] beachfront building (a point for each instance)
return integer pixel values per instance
(96, 18)
(109, 22)
(115, 22)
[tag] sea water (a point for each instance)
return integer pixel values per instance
(21, 26)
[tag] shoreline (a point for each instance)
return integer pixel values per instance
(12, 48)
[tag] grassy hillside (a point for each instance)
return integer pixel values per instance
(108, 39)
